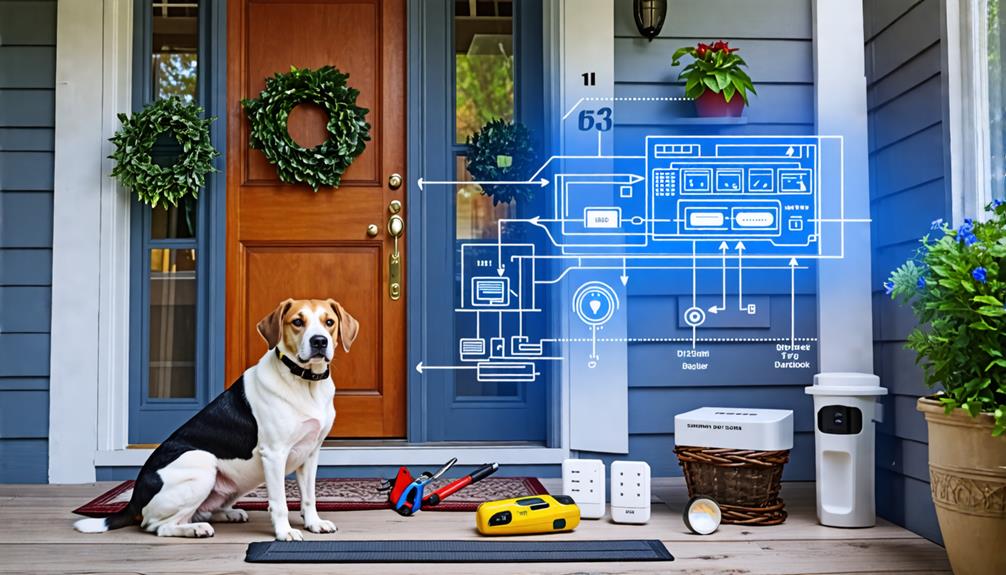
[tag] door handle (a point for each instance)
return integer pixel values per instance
(396, 227)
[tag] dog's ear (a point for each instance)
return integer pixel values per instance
(271, 326)
(349, 328)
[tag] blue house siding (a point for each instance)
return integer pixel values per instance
(27, 80)
(908, 190)
(775, 37)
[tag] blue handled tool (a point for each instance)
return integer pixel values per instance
(410, 499)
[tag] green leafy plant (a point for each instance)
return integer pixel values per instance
(502, 151)
(715, 67)
(348, 130)
(135, 168)
(956, 285)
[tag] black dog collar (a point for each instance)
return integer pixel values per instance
(300, 371)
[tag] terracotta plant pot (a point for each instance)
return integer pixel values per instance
(967, 471)
(713, 105)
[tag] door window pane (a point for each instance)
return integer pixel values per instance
(175, 46)
(476, 218)
(477, 221)
(174, 222)
(172, 353)
(483, 64)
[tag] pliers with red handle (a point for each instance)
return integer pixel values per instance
(406, 494)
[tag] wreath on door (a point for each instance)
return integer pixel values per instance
(348, 130)
(502, 151)
(135, 168)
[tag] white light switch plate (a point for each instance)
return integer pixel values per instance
(630, 492)
(583, 480)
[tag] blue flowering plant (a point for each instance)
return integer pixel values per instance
(956, 285)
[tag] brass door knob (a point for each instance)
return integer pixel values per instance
(396, 225)
(395, 181)
(372, 230)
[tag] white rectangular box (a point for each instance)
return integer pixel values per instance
(735, 428)
(583, 480)
(605, 218)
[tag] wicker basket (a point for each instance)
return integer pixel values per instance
(745, 483)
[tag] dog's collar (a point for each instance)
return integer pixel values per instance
(299, 371)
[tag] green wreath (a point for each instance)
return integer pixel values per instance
(135, 168)
(502, 151)
(347, 126)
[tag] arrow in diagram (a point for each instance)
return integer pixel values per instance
(423, 183)
(421, 368)
(723, 306)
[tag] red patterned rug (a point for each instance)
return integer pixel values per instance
(344, 495)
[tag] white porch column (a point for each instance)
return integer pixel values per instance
(90, 241)
(845, 321)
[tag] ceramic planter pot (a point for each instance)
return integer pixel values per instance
(967, 470)
(713, 105)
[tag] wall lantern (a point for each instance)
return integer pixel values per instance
(650, 16)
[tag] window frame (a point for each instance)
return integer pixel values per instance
(150, 419)
(968, 133)
(528, 80)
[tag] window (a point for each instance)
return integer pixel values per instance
(996, 50)
(484, 91)
(976, 45)
(168, 287)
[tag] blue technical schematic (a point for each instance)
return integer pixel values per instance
(764, 193)
(686, 203)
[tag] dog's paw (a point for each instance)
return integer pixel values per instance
(230, 516)
(202, 530)
(289, 535)
(321, 526)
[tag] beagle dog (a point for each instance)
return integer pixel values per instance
(271, 422)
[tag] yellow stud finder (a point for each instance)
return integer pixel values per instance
(524, 515)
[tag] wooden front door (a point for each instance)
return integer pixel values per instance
(284, 240)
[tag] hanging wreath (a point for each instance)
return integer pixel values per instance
(347, 126)
(135, 168)
(502, 151)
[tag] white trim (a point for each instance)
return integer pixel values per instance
(967, 107)
(90, 236)
(597, 399)
(113, 321)
(844, 295)
(379, 455)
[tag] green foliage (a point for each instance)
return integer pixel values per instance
(175, 74)
(716, 68)
(502, 151)
(956, 284)
(135, 168)
(484, 91)
(347, 126)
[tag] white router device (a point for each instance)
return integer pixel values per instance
(583, 480)
(630, 492)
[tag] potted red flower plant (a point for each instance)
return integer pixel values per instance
(715, 79)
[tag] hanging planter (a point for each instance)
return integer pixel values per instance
(715, 79)
(135, 168)
(348, 130)
(502, 151)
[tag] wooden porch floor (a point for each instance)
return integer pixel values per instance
(36, 537)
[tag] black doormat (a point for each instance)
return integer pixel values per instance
(456, 551)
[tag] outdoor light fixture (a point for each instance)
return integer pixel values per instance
(650, 16)
(702, 515)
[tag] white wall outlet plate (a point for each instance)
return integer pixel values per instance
(630, 492)
(583, 480)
